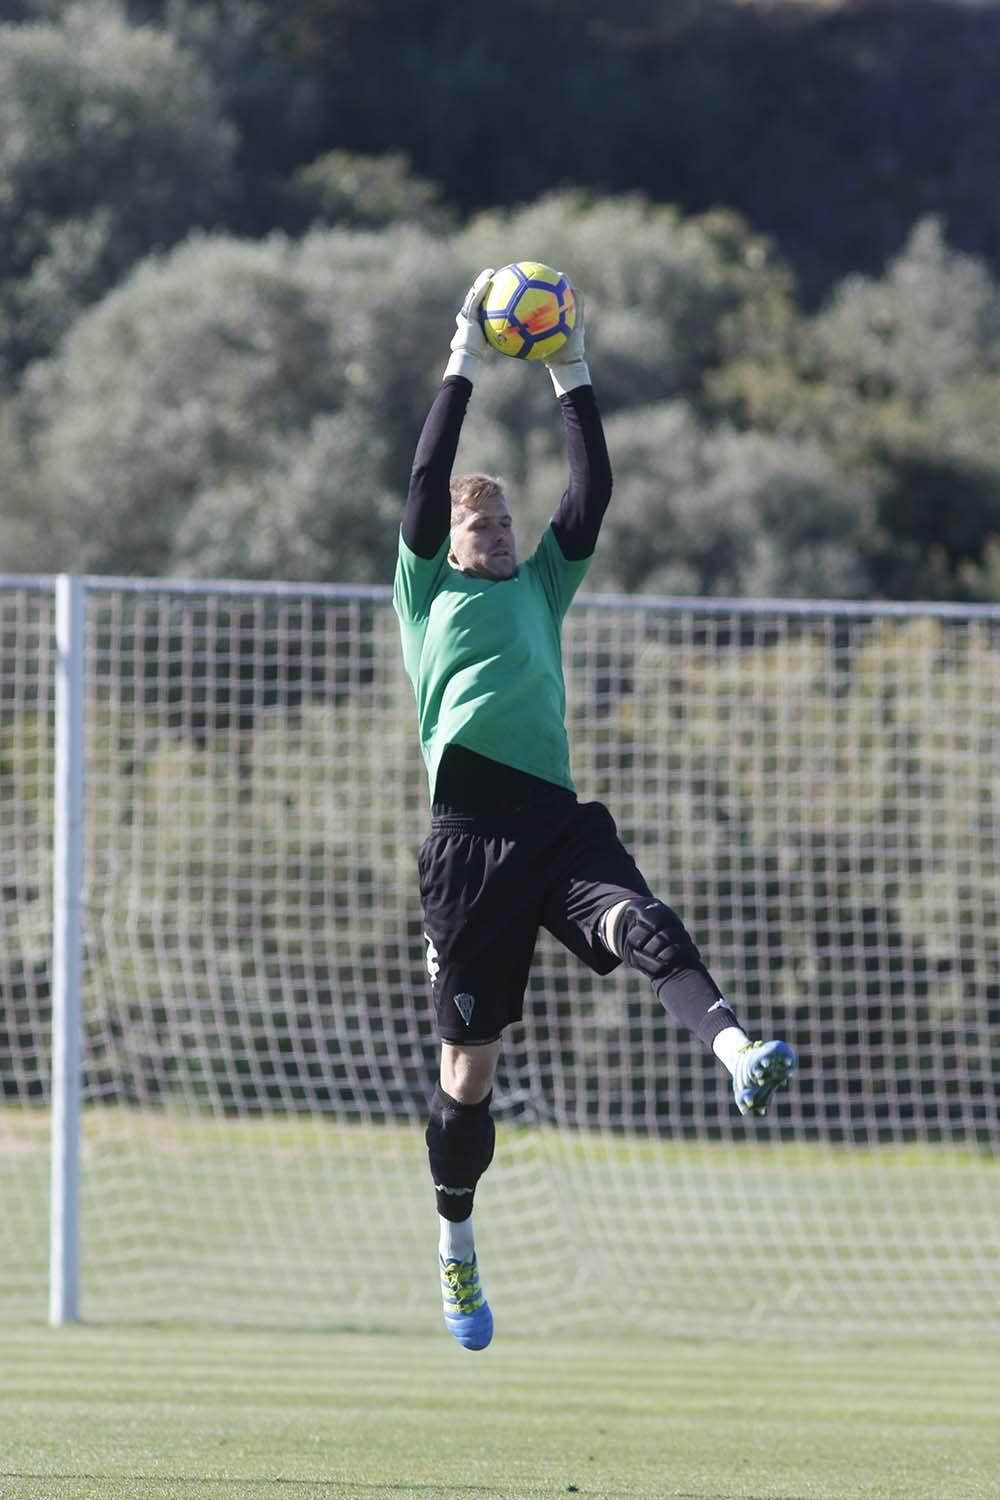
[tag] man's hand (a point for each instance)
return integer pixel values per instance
(469, 347)
(568, 367)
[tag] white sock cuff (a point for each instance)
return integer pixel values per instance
(456, 1241)
(726, 1045)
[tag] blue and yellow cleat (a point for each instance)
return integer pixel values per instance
(761, 1068)
(467, 1313)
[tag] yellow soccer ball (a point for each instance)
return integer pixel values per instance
(528, 311)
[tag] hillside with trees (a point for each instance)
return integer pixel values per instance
(234, 236)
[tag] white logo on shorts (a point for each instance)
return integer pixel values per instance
(433, 966)
(464, 1004)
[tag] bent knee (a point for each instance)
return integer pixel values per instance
(652, 939)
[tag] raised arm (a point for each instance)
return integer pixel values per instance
(427, 516)
(578, 516)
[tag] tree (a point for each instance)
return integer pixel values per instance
(251, 408)
(367, 192)
(111, 143)
(896, 377)
(232, 392)
(713, 511)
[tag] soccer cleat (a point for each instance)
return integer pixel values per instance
(761, 1067)
(467, 1313)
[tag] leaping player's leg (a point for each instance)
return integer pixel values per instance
(480, 898)
(600, 906)
(460, 1138)
(651, 938)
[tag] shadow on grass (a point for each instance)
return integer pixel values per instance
(353, 1487)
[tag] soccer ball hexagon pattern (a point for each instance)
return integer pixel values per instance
(529, 310)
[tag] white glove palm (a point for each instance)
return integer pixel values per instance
(468, 346)
(568, 367)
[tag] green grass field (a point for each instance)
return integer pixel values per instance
(107, 1413)
(224, 1263)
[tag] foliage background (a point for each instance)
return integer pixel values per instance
(232, 240)
(233, 235)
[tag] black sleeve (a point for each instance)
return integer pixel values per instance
(427, 517)
(579, 514)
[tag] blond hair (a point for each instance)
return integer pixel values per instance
(468, 491)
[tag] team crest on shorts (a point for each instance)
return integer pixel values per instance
(464, 1004)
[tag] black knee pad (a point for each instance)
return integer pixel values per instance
(654, 940)
(460, 1141)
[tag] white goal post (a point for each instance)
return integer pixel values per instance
(215, 1038)
(67, 951)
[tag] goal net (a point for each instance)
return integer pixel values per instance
(815, 789)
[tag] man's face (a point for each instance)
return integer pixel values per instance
(482, 540)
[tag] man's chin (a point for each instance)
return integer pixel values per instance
(496, 569)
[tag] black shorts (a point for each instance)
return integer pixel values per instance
(487, 885)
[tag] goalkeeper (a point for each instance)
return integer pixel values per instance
(510, 847)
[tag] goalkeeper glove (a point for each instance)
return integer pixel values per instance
(567, 367)
(469, 347)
